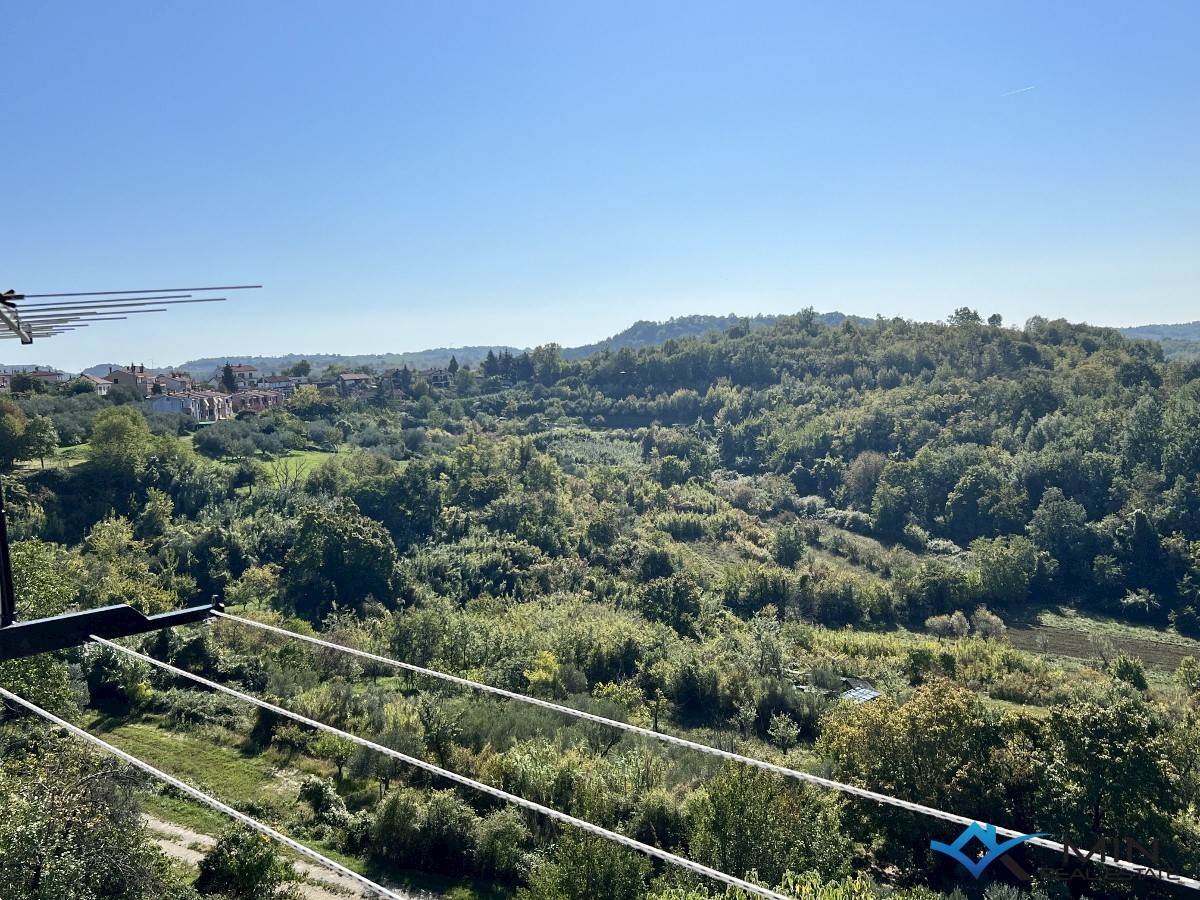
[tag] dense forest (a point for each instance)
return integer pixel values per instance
(713, 536)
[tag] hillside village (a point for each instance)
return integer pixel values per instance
(225, 392)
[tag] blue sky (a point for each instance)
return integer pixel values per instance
(408, 175)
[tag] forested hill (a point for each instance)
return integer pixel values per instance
(649, 334)
(640, 334)
(378, 362)
(1177, 340)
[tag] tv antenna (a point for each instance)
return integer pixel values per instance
(30, 316)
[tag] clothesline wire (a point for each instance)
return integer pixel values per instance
(207, 800)
(583, 825)
(827, 783)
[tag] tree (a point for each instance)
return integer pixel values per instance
(12, 432)
(1136, 792)
(1059, 526)
(301, 369)
(862, 477)
(1005, 568)
(964, 315)
(987, 624)
(121, 442)
(587, 867)
(501, 840)
(339, 556)
(1129, 670)
(227, 379)
(337, 750)
(41, 438)
(452, 368)
(245, 866)
(746, 821)
(71, 826)
(1187, 676)
(936, 749)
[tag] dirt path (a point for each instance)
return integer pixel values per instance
(182, 843)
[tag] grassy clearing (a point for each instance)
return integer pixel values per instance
(215, 764)
(263, 785)
(1074, 635)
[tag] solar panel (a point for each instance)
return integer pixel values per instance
(860, 695)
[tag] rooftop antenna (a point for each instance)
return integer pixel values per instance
(50, 315)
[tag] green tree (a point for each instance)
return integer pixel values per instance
(501, 844)
(13, 422)
(587, 867)
(1129, 670)
(1059, 526)
(339, 556)
(121, 443)
(337, 750)
(228, 381)
(1187, 675)
(747, 821)
(244, 865)
(937, 749)
(71, 826)
(1005, 568)
(1104, 768)
(41, 438)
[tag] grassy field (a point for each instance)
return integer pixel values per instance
(263, 785)
(1069, 634)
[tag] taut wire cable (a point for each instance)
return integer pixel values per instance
(547, 811)
(204, 798)
(826, 783)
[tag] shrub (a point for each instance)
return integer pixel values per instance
(501, 839)
(244, 866)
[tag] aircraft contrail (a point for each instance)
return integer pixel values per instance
(1019, 91)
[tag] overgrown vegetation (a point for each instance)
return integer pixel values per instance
(707, 537)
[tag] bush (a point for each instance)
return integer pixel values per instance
(1127, 669)
(244, 866)
(501, 839)
(327, 805)
(945, 626)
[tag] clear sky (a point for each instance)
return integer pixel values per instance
(403, 175)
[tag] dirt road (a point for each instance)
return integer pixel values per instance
(190, 846)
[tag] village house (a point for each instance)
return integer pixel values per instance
(5, 383)
(135, 377)
(283, 383)
(244, 376)
(101, 385)
(257, 401)
(171, 382)
(438, 378)
(203, 406)
(352, 382)
(46, 376)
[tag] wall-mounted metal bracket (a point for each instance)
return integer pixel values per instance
(76, 628)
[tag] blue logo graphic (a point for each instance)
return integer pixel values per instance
(986, 835)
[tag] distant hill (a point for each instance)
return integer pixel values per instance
(640, 334)
(1178, 340)
(1184, 331)
(421, 359)
(650, 334)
